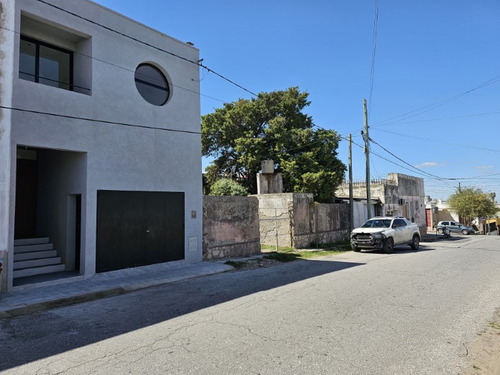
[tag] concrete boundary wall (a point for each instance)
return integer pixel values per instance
(237, 226)
(295, 220)
(230, 227)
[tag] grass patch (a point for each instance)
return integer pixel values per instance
(287, 254)
(235, 264)
(282, 257)
(495, 325)
(281, 249)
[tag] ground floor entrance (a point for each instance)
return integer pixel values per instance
(50, 185)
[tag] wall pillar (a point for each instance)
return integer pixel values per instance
(7, 53)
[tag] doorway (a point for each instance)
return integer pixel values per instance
(26, 194)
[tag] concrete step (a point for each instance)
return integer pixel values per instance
(31, 241)
(38, 270)
(29, 248)
(36, 263)
(35, 255)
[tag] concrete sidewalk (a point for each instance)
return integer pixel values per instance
(28, 299)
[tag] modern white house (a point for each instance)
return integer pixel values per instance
(100, 146)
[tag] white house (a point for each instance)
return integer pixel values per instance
(100, 147)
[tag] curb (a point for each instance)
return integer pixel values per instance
(99, 291)
(60, 302)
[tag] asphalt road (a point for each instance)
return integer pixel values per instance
(410, 312)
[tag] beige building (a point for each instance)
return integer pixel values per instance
(398, 195)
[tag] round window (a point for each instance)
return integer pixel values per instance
(152, 84)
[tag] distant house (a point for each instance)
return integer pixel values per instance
(99, 142)
(438, 210)
(398, 195)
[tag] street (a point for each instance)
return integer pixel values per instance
(409, 312)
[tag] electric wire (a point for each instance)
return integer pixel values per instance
(443, 181)
(102, 121)
(403, 161)
(384, 158)
(374, 52)
(448, 118)
(198, 63)
(412, 113)
(430, 107)
(89, 91)
(439, 141)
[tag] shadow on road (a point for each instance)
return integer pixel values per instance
(29, 338)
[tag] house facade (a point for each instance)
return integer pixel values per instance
(100, 147)
(398, 195)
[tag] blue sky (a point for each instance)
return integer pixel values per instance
(436, 83)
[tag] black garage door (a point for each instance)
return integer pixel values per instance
(136, 228)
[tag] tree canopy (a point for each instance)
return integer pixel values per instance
(273, 126)
(470, 203)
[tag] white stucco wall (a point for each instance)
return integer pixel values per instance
(7, 41)
(142, 147)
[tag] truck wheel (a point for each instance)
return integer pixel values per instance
(356, 249)
(389, 245)
(415, 242)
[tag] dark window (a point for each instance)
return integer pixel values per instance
(46, 64)
(398, 223)
(151, 84)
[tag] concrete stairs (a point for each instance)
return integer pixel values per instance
(35, 256)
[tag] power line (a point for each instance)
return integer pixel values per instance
(123, 68)
(430, 107)
(150, 127)
(449, 118)
(440, 141)
(420, 172)
(374, 51)
(397, 157)
(198, 63)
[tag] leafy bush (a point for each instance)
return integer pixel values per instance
(226, 186)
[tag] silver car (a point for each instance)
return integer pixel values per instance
(385, 232)
(454, 227)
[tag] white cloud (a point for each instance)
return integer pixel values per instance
(427, 164)
(483, 167)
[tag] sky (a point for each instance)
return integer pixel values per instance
(429, 70)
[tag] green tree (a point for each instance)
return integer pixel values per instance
(470, 203)
(272, 127)
(226, 186)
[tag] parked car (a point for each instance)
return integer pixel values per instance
(383, 233)
(454, 227)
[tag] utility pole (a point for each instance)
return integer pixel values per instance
(367, 154)
(351, 200)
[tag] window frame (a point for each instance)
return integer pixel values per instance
(39, 43)
(137, 80)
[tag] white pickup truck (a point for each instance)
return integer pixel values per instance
(383, 233)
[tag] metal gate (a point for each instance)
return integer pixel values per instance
(138, 228)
